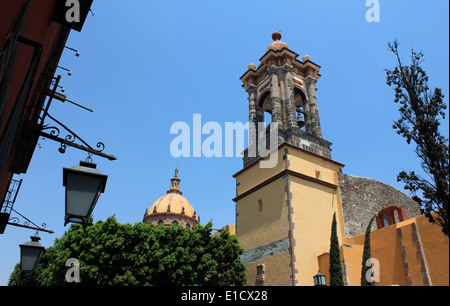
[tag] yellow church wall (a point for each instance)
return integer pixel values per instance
(351, 256)
(324, 265)
(436, 249)
(313, 209)
(276, 271)
(255, 174)
(256, 228)
(313, 166)
(385, 247)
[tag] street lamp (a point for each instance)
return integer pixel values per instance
(84, 184)
(320, 279)
(30, 254)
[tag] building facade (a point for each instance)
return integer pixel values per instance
(284, 213)
(33, 36)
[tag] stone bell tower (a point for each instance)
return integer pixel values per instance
(284, 87)
(284, 212)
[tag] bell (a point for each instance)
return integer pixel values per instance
(300, 122)
(301, 117)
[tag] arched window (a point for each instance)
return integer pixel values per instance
(175, 223)
(160, 222)
(188, 226)
(390, 215)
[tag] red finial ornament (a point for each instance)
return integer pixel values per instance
(276, 36)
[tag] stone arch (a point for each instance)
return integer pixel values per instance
(264, 107)
(387, 215)
(300, 91)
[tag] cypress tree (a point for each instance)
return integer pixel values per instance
(366, 255)
(336, 275)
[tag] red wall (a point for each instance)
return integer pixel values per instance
(38, 27)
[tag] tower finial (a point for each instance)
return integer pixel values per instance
(276, 36)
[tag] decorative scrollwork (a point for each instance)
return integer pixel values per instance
(71, 138)
(27, 223)
(14, 220)
(54, 131)
(100, 146)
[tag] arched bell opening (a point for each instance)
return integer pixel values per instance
(265, 109)
(300, 108)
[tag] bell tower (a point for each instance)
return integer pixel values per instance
(283, 88)
(284, 213)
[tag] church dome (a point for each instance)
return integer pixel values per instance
(277, 43)
(172, 208)
(172, 202)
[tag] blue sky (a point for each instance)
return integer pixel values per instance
(145, 65)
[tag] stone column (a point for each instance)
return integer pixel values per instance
(252, 120)
(313, 108)
(291, 118)
(251, 90)
(275, 97)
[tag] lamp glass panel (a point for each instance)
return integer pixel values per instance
(319, 280)
(29, 258)
(82, 192)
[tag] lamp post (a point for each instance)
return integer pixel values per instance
(30, 254)
(84, 184)
(320, 279)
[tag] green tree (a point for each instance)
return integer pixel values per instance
(17, 278)
(336, 275)
(114, 254)
(421, 110)
(366, 255)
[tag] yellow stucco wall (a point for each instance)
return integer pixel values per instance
(257, 228)
(436, 248)
(313, 209)
(305, 163)
(385, 247)
(276, 273)
(255, 175)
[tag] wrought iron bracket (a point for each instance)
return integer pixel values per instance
(7, 207)
(72, 137)
(15, 221)
(69, 140)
